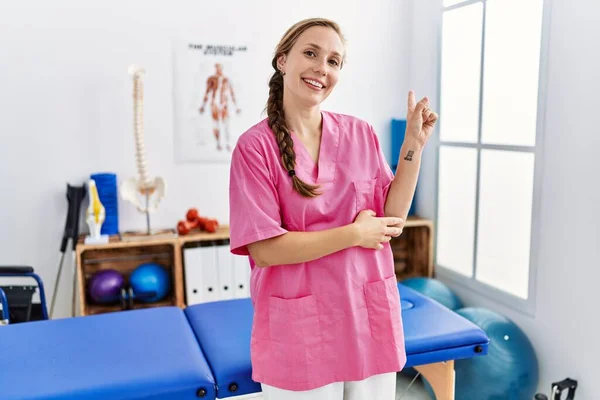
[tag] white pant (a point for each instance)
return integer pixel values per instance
(377, 387)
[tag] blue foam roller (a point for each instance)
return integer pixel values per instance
(106, 183)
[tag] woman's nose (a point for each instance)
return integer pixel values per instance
(320, 67)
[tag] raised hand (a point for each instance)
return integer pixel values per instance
(420, 120)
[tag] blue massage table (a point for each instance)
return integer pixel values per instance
(202, 351)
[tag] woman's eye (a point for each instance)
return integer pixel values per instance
(309, 53)
(334, 62)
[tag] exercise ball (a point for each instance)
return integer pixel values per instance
(510, 369)
(105, 286)
(434, 289)
(150, 282)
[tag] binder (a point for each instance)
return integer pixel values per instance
(241, 268)
(225, 271)
(192, 275)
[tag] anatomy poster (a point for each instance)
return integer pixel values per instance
(209, 99)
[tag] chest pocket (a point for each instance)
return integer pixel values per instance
(368, 195)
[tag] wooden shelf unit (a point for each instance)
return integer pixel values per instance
(413, 250)
(126, 255)
(413, 256)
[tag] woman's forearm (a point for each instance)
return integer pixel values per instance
(298, 247)
(402, 190)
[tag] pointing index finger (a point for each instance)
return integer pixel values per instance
(411, 100)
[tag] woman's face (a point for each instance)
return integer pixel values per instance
(312, 66)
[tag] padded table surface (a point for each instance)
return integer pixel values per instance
(149, 354)
(224, 328)
(434, 333)
(168, 353)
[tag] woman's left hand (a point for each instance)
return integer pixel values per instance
(420, 120)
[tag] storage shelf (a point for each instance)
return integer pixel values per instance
(413, 249)
(126, 255)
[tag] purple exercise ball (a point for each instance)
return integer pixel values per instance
(105, 286)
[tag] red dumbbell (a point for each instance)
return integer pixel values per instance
(184, 227)
(211, 225)
(192, 214)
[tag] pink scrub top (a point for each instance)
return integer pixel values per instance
(337, 318)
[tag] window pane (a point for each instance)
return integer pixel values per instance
(456, 208)
(511, 69)
(505, 202)
(460, 73)
(448, 3)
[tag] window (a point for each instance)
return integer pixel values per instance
(489, 146)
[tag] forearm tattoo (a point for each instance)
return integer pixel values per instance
(409, 155)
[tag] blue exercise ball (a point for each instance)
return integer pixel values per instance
(434, 289)
(509, 371)
(150, 282)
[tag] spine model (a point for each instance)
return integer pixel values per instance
(142, 191)
(138, 126)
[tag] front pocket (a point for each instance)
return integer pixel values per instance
(295, 337)
(294, 321)
(383, 307)
(364, 190)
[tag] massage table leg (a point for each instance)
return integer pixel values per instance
(441, 378)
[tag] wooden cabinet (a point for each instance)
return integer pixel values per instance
(126, 255)
(413, 250)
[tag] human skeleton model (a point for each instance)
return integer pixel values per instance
(218, 88)
(148, 188)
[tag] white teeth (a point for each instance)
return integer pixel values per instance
(314, 83)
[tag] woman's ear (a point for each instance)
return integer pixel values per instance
(281, 62)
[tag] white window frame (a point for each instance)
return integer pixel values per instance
(525, 306)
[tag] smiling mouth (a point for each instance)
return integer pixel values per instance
(313, 83)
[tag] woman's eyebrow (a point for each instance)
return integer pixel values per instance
(316, 46)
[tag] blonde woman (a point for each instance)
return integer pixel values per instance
(314, 204)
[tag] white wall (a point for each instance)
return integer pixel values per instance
(564, 330)
(65, 101)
